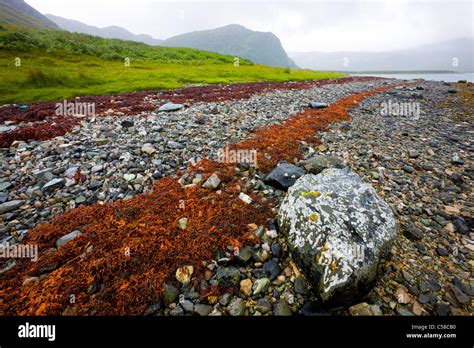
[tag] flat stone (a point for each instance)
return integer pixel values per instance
(170, 107)
(67, 238)
(5, 129)
(5, 185)
(54, 184)
(10, 206)
(317, 105)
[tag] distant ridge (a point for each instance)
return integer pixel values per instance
(111, 32)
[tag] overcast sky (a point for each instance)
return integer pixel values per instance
(301, 26)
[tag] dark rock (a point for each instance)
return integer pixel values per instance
(153, 308)
(429, 285)
(127, 124)
(272, 268)
(201, 120)
(461, 225)
(443, 309)
(412, 232)
(441, 251)
(423, 299)
(463, 287)
(53, 184)
(227, 276)
(245, 254)
(259, 273)
(263, 306)
(300, 286)
(312, 308)
(284, 176)
(280, 308)
(276, 250)
(170, 294)
(460, 296)
(408, 169)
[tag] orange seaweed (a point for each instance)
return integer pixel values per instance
(128, 249)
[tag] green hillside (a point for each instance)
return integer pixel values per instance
(58, 64)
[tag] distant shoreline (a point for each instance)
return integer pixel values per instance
(401, 72)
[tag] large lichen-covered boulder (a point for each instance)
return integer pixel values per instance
(338, 229)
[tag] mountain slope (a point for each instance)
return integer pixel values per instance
(259, 47)
(235, 40)
(111, 32)
(18, 12)
(439, 56)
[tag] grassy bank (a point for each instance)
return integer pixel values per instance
(56, 65)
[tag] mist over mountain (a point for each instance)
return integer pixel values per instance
(453, 55)
(110, 32)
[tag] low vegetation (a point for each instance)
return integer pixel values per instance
(43, 65)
